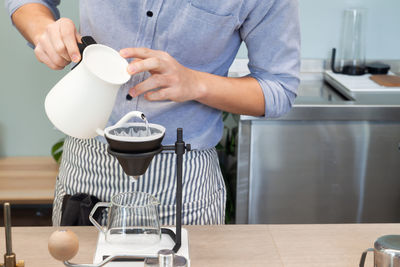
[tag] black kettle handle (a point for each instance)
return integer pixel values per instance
(86, 41)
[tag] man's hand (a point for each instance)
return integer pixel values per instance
(169, 80)
(57, 45)
(172, 81)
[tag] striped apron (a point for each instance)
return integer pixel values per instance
(86, 167)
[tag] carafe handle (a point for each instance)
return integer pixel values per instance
(364, 255)
(130, 115)
(333, 62)
(93, 221)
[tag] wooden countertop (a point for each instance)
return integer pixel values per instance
(27, 180)
(233, 245)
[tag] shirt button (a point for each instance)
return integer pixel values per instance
(149, 13)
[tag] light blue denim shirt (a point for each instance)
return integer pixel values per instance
(203, 35)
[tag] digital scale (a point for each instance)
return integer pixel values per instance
(105, 249)
(357, 84)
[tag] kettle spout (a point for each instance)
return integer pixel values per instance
(100, 132)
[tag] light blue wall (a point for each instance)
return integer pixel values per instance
(321, 22)
(321, 27)
(24, 83)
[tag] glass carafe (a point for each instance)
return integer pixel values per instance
(352, 47)
(132, 219)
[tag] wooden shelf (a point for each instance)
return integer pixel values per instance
(27, 180)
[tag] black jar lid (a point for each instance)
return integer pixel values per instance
(378, 68)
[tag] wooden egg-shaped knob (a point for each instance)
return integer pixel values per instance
(63, 245)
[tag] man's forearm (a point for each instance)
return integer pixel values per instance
(236, 95)
(31, 20)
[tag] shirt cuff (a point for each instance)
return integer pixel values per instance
(13, 5)
(279, 93)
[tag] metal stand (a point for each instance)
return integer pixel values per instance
(180, 147)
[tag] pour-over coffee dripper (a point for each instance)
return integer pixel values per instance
(134, 137)
(134, 161)
(134, 144)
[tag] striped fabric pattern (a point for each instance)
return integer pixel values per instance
(87, 167)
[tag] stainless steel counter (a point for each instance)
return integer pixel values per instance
(333, 159)
(317, 100)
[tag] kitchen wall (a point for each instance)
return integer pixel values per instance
(321, 22)
(26, 131)
(24, 83)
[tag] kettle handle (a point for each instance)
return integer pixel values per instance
(128, 116)
(86, 41)
(363, 256)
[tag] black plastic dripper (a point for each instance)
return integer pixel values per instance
(135, 164)
(133, 147)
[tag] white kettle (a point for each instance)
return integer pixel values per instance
(82, 101)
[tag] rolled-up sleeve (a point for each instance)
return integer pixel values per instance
(272, 36)
(13, 5)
